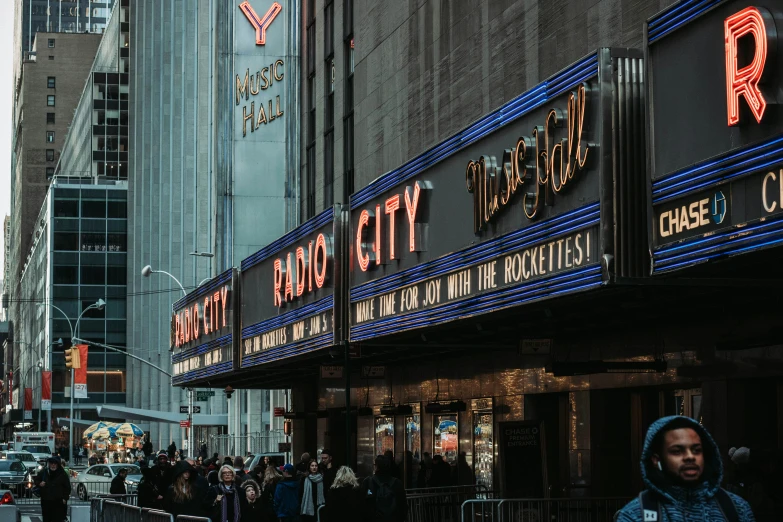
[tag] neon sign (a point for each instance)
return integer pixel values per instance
(308, 267)
(202, 317)
(260, 24)
(370, 226)
(554, 162)
(745, 81)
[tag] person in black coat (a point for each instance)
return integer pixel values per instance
(184, 497)
(149, 495)
(252, 510)
(226, 499)
(269, 485)
(55, 487)
(118, 482)
(343, 503)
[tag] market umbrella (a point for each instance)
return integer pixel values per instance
(93, 428)
(101, 434)
(126, 429)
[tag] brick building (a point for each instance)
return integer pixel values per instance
(48, 89)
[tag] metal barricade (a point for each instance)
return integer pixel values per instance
(187, 518)
(442, 504)
(545, 510)
(258, 442)
(320, 514)
(480, 510)
(154, 515)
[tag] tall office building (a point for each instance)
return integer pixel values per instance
(76, 253)
(211, 170)
(45, 97)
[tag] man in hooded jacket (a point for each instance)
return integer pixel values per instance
(682, 468)
(55, 487)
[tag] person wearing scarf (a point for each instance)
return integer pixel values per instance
(226, 507)
(312, 492)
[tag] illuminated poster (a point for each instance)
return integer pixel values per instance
(384, 434)
(483, 447)
(446, 437)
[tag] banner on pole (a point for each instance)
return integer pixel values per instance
(80, 375)
(46, 391)
(28, 403)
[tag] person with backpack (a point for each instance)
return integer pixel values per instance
(683, 470)
(383, 495)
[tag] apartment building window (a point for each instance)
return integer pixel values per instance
(50, 100)
(49, 172)
(50, 82)
(329, 106)
(51, 43)
(348, 44)
(49, 154)
(49, 136)
(49, 117)
(309, 188)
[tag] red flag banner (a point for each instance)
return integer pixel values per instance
(80, 376)
(28, 403)
(46, 391)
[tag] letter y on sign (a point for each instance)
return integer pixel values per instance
(745, 81)
(260, 23)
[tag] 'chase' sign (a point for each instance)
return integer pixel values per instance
(715, 71)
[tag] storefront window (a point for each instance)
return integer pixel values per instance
(413, 435)
(688, 403)
(483, 451)
(384, 434)
(483, 441)
(445, 437)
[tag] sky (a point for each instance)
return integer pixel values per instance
(6, 103)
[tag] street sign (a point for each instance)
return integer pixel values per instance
(331, 372)
(373, 372)
(283, 447)
(184, 424)
(204, 395)
(279, 412)
(184, 409)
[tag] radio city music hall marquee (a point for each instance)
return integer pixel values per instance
(203, 317)
(531, 174)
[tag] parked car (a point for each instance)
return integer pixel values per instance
(96, 480)
(7, 498)
(254, 459)
(14, 475)
(25, 457)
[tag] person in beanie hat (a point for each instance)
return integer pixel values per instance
(683, 470)
(287, 496)
(55, 487)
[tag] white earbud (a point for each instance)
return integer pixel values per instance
(659, 466)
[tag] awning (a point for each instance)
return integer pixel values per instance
(199, 419)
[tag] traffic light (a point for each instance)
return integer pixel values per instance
(287, 427)
(72, 359)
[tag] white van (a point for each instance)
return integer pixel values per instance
(40, 444)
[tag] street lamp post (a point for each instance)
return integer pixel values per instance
(146, 272)
(99, 305)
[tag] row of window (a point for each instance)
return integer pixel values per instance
(309, 188)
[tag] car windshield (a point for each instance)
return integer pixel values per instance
(24, 457)
(132, 470)
(37, 449)
(5, 465)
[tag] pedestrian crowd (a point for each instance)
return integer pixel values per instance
(224, 491)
